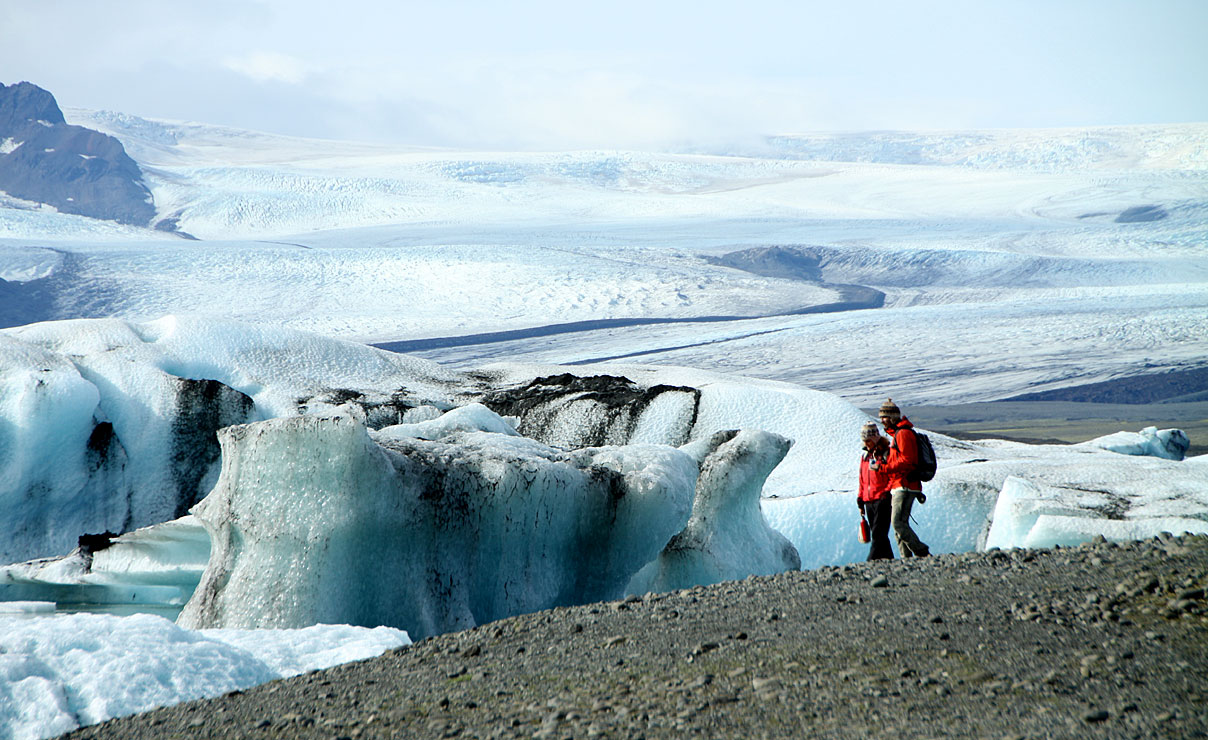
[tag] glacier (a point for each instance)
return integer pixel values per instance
(971, 234)
(727, 537)
(1171, 444)
(313, 521)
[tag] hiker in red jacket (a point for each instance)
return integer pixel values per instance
(873, 497)
(904, 484)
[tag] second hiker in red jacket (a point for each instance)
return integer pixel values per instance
(904, 484)
(873, 497)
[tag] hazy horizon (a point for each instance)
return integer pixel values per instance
(538, 75)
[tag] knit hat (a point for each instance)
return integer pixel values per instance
(869, 430)
(890, 409)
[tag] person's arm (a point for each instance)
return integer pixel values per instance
(864, 483)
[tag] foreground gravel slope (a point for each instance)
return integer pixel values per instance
(1095, 641)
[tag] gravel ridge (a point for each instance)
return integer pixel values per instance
(1103, 640)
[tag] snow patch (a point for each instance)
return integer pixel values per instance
(1031, 513)
(59, 673)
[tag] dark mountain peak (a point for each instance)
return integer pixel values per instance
(75, 169)
(25, 103)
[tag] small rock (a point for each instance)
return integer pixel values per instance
(1097, 715)
(701, 681)
(880, 582)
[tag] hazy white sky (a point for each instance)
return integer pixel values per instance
(556, 74)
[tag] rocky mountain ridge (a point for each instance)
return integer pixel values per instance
(45, 160)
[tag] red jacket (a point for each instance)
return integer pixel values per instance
(903, 457)
(874, 484)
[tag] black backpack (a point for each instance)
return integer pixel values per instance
(925, 469)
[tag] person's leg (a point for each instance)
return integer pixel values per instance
(908, 542)
(879, 515)
(900, 512)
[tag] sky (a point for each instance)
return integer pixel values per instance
(646, 74)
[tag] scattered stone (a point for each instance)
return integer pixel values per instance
(705, 647)
(1096, 715)
(822, 661)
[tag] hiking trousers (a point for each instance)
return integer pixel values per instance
(908, 542)
(879, 514)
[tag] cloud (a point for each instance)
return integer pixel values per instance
(269, 66)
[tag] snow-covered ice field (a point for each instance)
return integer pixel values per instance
(1006, 246)
(1008, 261)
